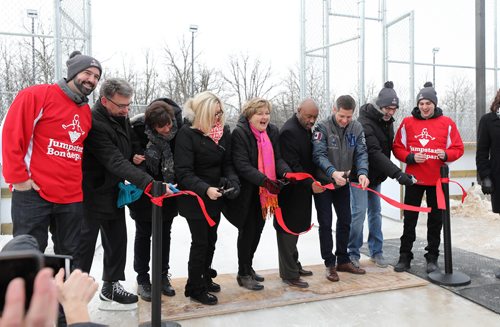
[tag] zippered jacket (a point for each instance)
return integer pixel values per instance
(42, 139)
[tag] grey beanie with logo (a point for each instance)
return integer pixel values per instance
(78, 62)
(387, 97)
(429, 93)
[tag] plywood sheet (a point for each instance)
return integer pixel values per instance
(234, 298)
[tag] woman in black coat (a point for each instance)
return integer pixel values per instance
(488, 153)
(153, 140)
(203, 165)
(255, 149)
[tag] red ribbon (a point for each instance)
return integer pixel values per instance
(440, 194)
(399, 205)
(159, 201)
(394, 202)
(281, 223)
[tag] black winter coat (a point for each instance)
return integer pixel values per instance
(295, 200)
(245, 160)
(379, 135)
(106, 162)
(488, 154)
(142, 208)
(200, 163)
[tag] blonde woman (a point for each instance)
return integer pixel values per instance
(202, 162)
(258, 163)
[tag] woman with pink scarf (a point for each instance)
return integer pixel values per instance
(202, 164)
(258, 163)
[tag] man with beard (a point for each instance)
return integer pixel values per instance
(295, 199)
(42, 146)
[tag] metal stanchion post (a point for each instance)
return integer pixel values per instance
(156, 234)
(449, 277)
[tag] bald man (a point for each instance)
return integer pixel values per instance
(295, 200)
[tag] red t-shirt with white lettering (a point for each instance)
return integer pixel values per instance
(42, 139)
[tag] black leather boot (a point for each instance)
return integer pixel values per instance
(432, 265)
(403, 263)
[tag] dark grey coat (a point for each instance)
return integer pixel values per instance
(106, 162)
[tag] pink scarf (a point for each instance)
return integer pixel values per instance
(266, 165)
(216, 132)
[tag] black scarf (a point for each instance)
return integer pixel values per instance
(158, 153)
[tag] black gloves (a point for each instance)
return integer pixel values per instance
(487, 185)
(229, 188)
(404, 179)
(272, 186)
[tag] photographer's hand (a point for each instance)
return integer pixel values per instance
(74, 294)
(43, 308)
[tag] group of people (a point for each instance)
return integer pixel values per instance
(66, 163)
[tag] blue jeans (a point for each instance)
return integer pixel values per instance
(361, 202)
(340, 198)
(32, 215)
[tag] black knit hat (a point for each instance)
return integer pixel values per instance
(21, 243)
(429, 93)
(387, 97)
(78, 62)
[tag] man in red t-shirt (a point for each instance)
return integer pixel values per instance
(42, 146)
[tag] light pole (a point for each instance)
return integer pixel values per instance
(434, 51)
(32, 13)
(193, 29)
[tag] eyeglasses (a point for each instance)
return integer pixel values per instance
(390, 109)
(120, 106)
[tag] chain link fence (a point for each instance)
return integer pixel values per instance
(335, 35)
(29, 52)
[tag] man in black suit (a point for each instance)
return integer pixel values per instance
(295, 199)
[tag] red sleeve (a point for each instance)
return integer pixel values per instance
(17, 133)
(456, 146)
(400, 145)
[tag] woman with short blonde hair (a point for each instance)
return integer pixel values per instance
(258, 163)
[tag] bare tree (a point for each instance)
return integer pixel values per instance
(459, 104)
(248, 78)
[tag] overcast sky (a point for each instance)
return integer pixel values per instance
(269, 29)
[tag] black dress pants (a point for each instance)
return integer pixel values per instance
(249, 238)
(413, 196)
(201, 254)
(114, 243)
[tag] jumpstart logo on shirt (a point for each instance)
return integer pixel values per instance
(66, 150)
(75, 131)
(424, 138)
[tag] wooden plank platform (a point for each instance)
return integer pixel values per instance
(234, 298)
